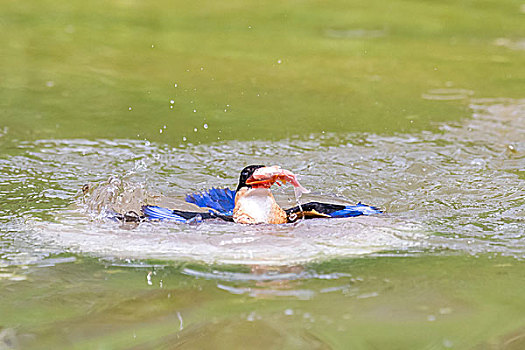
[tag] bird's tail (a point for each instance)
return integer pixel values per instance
(154, 212)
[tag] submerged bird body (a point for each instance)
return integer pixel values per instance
(253, 202)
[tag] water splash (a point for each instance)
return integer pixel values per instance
(461, 188)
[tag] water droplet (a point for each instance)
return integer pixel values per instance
(512, 149)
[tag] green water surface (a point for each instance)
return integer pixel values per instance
(388, 303)
(265, 70)
(73, 70)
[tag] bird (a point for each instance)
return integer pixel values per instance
(252, 202)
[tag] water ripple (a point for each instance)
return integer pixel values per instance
(461, 188)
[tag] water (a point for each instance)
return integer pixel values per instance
(429, 184)
(423, 118)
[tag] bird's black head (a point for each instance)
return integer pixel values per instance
(245, 174)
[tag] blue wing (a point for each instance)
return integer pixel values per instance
(220, 199)
(355, 210)
(154, 212)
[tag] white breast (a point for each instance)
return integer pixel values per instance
(257, 203)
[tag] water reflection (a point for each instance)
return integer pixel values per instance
(196, 306)
(447, 94)
(273, 282)
(518, 44)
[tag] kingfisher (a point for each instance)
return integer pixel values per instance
(252, 202)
